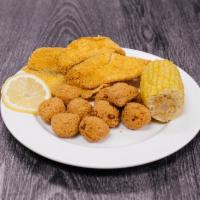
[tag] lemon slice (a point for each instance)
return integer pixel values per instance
(24, 92)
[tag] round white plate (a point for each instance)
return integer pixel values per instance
(124, 147)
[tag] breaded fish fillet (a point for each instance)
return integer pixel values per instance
(59, 60)
(53, 80)
(86, 47)
(45, 59)
(105, 68)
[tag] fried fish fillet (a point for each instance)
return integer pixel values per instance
(54, 80)
(105, 68)
(45, 59)
(86, 47)
(59, 60)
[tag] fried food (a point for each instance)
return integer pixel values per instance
(135, 116)
(46, 59)
(102, 94)
(87, 93)
(107, 112)
(121, 93)
(93, 128)
(49, 108)
(86, 47)
(53, 80)
(118, 94)
(162, 90)
(105, 68)
(67, 93)
(59, 60)
(79, 106)
(65, 125)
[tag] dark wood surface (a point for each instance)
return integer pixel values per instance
(167, 28)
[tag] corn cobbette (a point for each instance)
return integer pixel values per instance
(162, 90)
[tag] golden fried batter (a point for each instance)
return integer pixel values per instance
(45, 59)
(118, 94)
(65, 124)
(87, 93)
(107, 112)
(135, 116)
(121, 93)
(85, 47)
(50, 107)
(55, 80)
(79, 106)
(93, 128)
(105, 68)
(102, 94)
(67, 93)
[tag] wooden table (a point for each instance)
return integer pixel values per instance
(170, 29)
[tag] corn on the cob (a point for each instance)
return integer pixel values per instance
(162, 90)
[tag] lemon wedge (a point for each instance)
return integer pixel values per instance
(24, 93)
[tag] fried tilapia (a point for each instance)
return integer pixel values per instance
(105, 68)
(86, 47)
(59, 60)
(88, 62)
(45, 59)
(54, 80)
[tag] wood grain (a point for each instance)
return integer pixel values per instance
(167, 28)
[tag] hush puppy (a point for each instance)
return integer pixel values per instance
(79, 106)
(135, 116)
(118, 94)
(102, 94)
(67, 93)
(107, 112)
(50, 107)
(93, 128)
(65, 125)
(121, 93)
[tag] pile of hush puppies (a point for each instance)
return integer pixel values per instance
(70, 114)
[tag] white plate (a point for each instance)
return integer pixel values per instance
(123, 148)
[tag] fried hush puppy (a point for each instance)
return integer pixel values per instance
(107, 112)
(79, 106)
(135, 116)
(67, 93)
(121, 93)
(93, 128)
(65, 125)
(102, 94)
(118, 94)
(50, 107)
